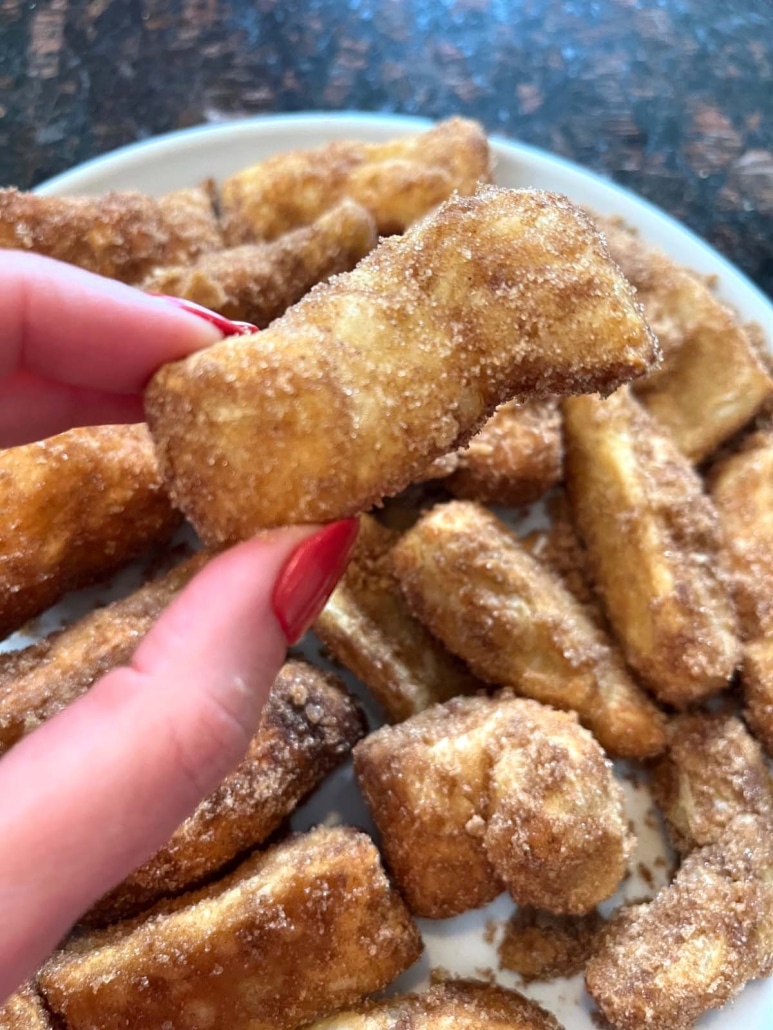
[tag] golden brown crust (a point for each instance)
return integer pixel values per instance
(468, 579)
(397, 182)
(542, 946)
(457, 1004)
(757, 683)
(297, 932)
(75, 508)
(307, 728)
(24, 1011)
(40, 680)
(713, 771)
(120, 235)
(712, 381)
(368, 627)
(660, 966)
(515, 458)
(358, 387)
(482, 793)
(258, 282)
(742, 489)
(654, 546)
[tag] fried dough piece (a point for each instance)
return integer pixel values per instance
(307, 728)
(120, 235)
(24, 1011)
(466, 577)
(258, 282)
(40, 680)
(713, 771)
(712, 381)
(697, 944)
(742, 489)
(457, 1004)
(515, 458)
(358, 387)
(75, 508)
(757, 682)
(295, 933)
(542, 946)
(367, 626)
(484, 793)
(654, 547)
(398, 182)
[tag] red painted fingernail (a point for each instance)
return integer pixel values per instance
(310, 575)
(225, 325)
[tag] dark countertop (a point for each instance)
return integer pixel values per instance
(672, 98)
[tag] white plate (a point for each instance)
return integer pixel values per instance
(183, 159)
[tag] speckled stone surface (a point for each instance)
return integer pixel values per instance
(672, 98)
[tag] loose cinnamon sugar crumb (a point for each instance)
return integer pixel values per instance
(542, 946)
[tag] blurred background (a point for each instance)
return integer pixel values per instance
(671, 98)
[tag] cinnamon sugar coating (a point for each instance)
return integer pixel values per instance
(24, 1011)
(757, 684)
(350, 395)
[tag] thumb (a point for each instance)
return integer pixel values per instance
(97, 790)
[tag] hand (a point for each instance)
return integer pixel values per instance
(97, 790)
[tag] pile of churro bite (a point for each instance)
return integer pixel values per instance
(428, 335)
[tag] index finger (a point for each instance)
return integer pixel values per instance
(74, 327)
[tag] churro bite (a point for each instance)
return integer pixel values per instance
(654, 547)
(712, 381)
(757, 685)
(515, 458)
(295, 933)
(24, 1010)
(466, 576)
(457, 1004)
(398, 182)
(75, 508)
(692, 949)
(712, 771)
(742, 490)
(369, 628)
(350, 395)
(120, 235)
(42, 679)
(482, 794)
(307, 728)
(258, 282)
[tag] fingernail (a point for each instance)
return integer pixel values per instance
(225, 325)
(310, 575)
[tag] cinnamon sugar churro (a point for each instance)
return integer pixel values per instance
(75, 508)
(398, 181)
(358, 387)
(258, 282)
(368, 627)
(295, 933)
(119, 235)
(24, 1011)
(308, 727)
(469, 580)
(457, 1004)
